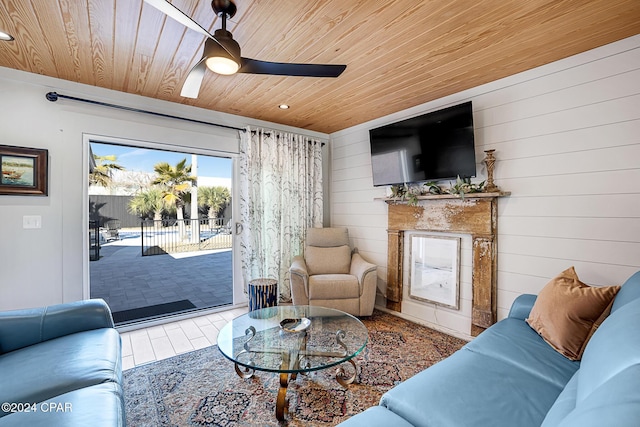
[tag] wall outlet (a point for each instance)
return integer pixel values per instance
(31, 221)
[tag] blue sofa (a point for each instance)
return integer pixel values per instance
(61, 366)
(509, 376)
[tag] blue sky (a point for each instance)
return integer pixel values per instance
(143, 159)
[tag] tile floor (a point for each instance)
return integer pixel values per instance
(163, 341)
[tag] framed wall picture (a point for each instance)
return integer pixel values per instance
(23, 171)
(435, 270)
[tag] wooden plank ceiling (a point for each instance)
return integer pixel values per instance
(399, 53)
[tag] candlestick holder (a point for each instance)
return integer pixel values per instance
(490, 161)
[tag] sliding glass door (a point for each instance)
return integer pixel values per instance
(160, 228)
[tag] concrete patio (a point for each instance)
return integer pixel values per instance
(126, 280)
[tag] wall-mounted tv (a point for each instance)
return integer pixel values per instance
(431, 147)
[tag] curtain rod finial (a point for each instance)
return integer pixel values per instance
(52, 96)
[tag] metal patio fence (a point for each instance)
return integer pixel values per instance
(188, 235)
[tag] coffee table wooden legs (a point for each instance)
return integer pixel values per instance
(290, 361)
(282, 403)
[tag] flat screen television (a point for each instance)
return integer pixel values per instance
(431, 147)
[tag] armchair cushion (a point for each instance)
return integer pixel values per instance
(333, 286)
(336, 260)
(327, 237)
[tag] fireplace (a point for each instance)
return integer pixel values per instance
(474, 215)
(434, 269)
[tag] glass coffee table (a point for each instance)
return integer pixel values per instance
(292, 340)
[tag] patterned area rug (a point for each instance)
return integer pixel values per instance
(201, 388)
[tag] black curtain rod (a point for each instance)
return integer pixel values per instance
(53, 97)
(270, 133)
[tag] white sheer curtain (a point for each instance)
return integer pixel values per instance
(280, 197)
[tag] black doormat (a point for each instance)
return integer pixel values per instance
(151, 311)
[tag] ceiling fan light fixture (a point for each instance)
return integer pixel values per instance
(222, 65)
(222, 60)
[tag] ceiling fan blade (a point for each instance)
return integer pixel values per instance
(192, 84)
(173, 12)
(254, 66)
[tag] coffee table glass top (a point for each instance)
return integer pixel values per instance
(316, 337)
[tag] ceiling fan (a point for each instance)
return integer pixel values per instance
(222, 53)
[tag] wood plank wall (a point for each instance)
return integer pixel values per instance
(567, 141)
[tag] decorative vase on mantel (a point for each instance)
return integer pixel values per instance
(490, 161)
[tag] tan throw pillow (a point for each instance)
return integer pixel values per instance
(335, 260)
(567, 312)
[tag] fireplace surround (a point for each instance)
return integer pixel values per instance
(475, 214)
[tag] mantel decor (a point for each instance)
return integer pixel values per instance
(412, 192)
(475, 214)
(490, 161)
(23, 171)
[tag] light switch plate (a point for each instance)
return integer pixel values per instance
(31, 221)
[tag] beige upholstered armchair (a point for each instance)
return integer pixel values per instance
(330, 275)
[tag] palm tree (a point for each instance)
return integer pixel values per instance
(102, 173)
(214, 198)
(151, 200)
(175, 180)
